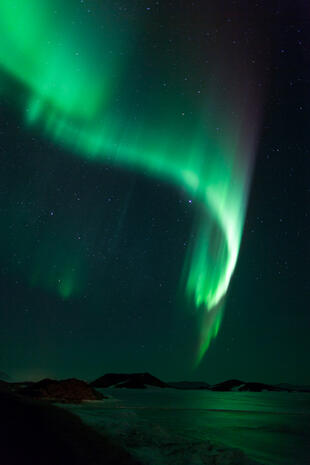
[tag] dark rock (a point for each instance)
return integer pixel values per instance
(258, 387)
(227, 385)
(67, 390)
(128, 380)
(242, 386)
(4, 385)
(34, 432)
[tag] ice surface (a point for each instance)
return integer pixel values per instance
(204, 428)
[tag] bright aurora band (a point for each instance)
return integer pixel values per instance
(78, 90)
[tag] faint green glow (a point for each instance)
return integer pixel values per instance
(57, 266)
(72, 76)
(64, 286)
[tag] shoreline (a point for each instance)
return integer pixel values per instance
(36, 432)
(152, 443)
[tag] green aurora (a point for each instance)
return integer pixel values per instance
(79, 91)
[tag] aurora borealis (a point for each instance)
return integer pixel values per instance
(70, 84)
(141, 89)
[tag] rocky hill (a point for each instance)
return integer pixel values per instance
(67, 390)
(128, 380)
(237, 385)
(39, 433)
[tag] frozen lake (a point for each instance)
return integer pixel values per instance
(168, 426)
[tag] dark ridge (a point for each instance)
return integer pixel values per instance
(143, 380)
(67, 390)
(237, 385)
(128, 380)
(258, 387)
(40, 433)
(227, 385)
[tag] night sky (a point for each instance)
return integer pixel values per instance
(94, 239)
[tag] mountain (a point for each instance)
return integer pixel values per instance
(237, 385)
(128, 380)
(143, 380)
(67, 390)
(189, 385)
(74, 390)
